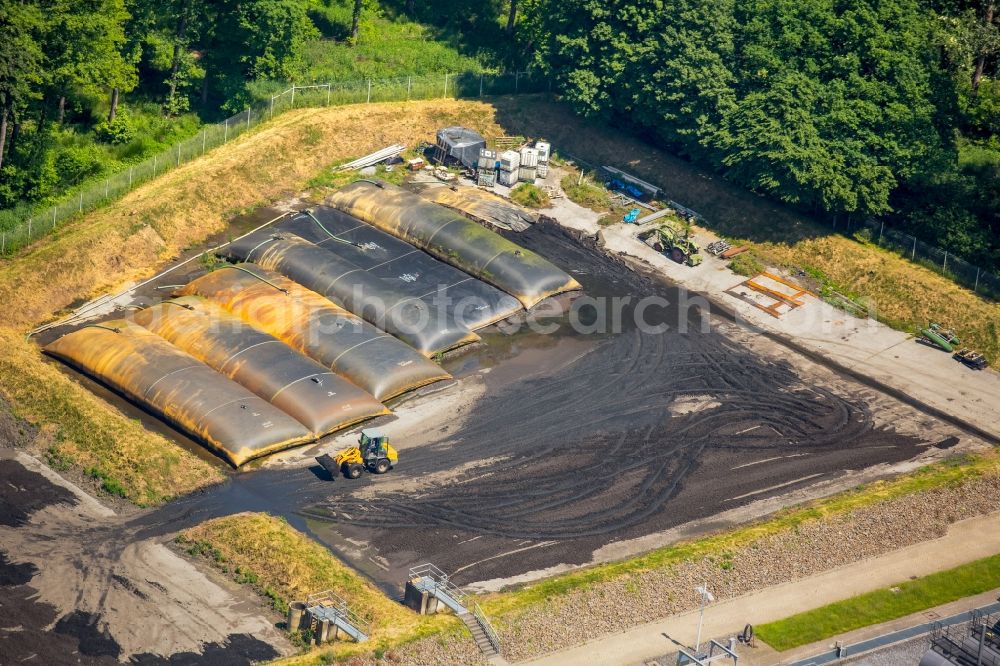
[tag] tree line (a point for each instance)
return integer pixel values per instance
(57, 56)
(859, 107)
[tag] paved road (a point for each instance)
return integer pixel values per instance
(965, 541)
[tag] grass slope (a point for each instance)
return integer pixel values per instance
(284, 565)
(130, 239)
(882, 605)
(901, 293)
(80, 430)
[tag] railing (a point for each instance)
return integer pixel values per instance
(439, 581)
(491, 635)
(24, 226)
(336, 605)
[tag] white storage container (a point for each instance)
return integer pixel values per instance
(529, 157)
(508, 178)
(486, 178)
(543, 169)
(487, 159)
(544, 150)
(510, 160)
(527, 174)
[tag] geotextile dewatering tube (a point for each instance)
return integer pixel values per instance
(416, 322)
(294, 383)
(179, 388)
(470, 301)
(354, 349)
(454, 239)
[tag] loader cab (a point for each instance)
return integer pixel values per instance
(373, 443)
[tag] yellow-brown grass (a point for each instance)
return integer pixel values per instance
(285, 565)
(130, 239)
(80, 429)
(901, 293)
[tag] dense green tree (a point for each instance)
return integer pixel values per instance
(21, 61)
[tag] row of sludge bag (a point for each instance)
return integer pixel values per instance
(317, 324)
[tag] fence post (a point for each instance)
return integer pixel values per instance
(154, 166)
(369, 98)
(880, 229)
(3, 243)
(408, 87)
(293, 96)
(54, 215)
(225, 135)
(271, 112)
(517, 76)
(248, 117)
(944, 266)
(913, 254)
(328, 88)
(130, 177)
(107, 186)
(446, 84)
(29, 228)
(976, 288)
(204, 134)
(480, 84)
(81, 210)
(178, 154)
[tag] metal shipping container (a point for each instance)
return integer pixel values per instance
(510, 160)
(529, 157)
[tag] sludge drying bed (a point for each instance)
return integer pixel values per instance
(307, 356)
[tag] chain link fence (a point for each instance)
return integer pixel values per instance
(436, 86)
(981, 281)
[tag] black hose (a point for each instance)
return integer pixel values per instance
(259, 277)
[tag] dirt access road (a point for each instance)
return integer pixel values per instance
(79, 586)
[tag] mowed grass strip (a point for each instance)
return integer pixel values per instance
(880, 606)
(284, 565)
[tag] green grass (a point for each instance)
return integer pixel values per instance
(882, 605)
(529, 196)
(948, 472)
(585, 193)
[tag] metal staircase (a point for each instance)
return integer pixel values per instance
(329, 606)
(432, 580)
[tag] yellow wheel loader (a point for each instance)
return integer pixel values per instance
(373, 453)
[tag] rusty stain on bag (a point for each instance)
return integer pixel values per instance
(419, 323)
(294, 383)
(452, 238)
(480, 206)
(179, 388)
(372, 359)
